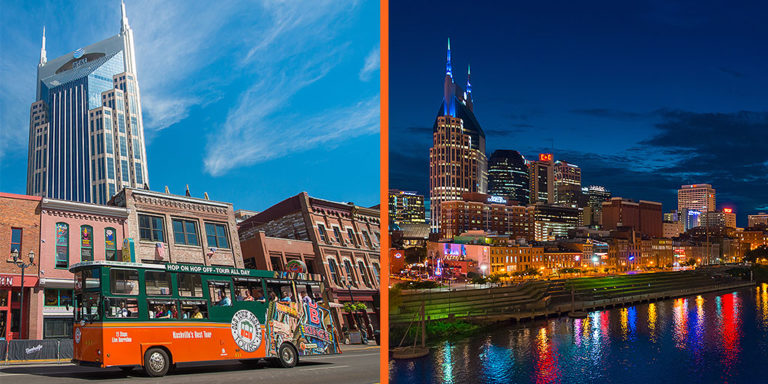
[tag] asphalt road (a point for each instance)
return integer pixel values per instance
(358, 364)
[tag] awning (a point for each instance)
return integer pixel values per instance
(15, 281)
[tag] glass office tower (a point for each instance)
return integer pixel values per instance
(86, 137)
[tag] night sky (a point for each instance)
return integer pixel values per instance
(644, 97)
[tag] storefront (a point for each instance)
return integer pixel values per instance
(10, 305)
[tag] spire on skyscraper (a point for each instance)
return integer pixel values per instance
(448, 70)
(43, 58)
(469, 84)
(124, 21)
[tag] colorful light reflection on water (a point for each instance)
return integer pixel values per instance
(712, 338)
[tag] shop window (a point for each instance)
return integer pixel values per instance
(51, 297)
(110, 244)
(57, 328)
(217, 235)
(62, 245)
(124, 308)
(124, 281)
(220, 293)
(86, 243)
(157, 283)
(194, 309)
(190, 285)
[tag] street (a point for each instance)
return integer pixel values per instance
(358, 364)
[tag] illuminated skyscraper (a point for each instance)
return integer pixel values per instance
(699, 197)
(508, 176)
(542, 177)
(86, 136)
(457, 161)
(567, 184)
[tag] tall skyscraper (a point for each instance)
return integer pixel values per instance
(406, 207)
(542, 178)
(696, 197)
(86, 135)
(596, 195)
(567, 184)
(508, 176)
(457, 162)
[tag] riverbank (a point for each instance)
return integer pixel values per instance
(459, 314)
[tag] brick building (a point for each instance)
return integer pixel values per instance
(71, 232)
(644, 216)
(169, 228)
(478, 211)
(19, 230)
(340, 241)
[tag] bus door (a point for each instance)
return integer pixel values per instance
(282, 315)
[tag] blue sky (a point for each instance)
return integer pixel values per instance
(644, 96)
(250, 101)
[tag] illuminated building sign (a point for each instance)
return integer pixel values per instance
(727, 210)
(545, 157)
(497, 199)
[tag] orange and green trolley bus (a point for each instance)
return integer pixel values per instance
(157, 315)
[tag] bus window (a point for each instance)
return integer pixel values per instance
(194, 309)
(122, 308)
(157, 283)
(190, 285)
(220, 293)
(280, 291)
(249, 290)
(162, 309)
(88, 307)
(124, 281)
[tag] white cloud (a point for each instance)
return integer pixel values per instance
(371, 65)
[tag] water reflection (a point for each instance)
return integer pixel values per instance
(705, 339)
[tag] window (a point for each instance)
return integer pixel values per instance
(58, 297)
(110, 244)
(190, 285)
(363, 273)
(367, 239)
(122, 308)
(109, 141)
(124, 170)
(86, 243)
(124, 281)
(280, 290)
(217, 235)
(162, 309)
(337, 234)
(151, 228)
(321, 231)
(352, 237)
(157, 283)
(194, 309)
(376, 271)
(185, 232)
(220, 294)
(62, 245)
(139, 177)
(334, 269)
(249, 290)
(16, 239)
(57, 328)
(351, 278)
(110, 171)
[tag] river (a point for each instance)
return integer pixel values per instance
(711, 338)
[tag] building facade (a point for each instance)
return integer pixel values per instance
(541, 174)
(695, 197)
(169, 228)
(344, 241)
(86, 135)
(644, 216)
(760, 219)
(567, 184)
(508, 176)
(551, 222)
(596, 195)
(406, 207)
(19, 232)
(478, 211)
(516, 258)
(724, 218)
(71, 232)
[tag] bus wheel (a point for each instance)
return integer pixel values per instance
(287, 356)
(156, 362)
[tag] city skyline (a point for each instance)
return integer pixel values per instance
(198, 90)
(638, 115)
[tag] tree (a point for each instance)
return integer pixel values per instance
(753, 255)
(691, 262)
(478, 279)
(494, 279)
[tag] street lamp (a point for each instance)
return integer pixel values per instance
(21, 264)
